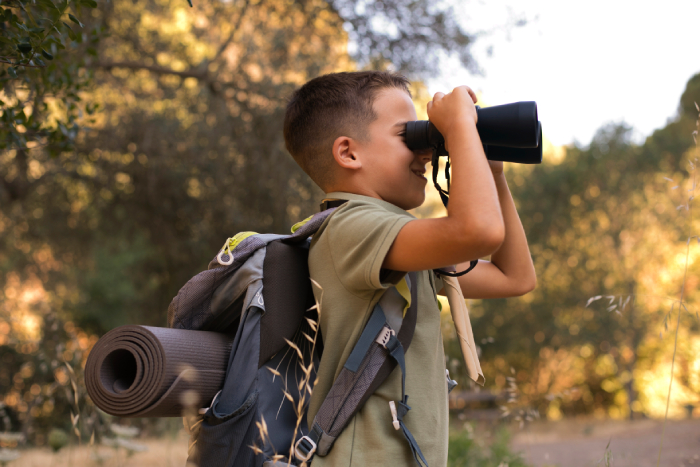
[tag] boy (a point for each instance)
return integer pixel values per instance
(346, 131)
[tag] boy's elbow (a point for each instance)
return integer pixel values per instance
(530, 285)
(491, 236)
(479, 241)
(526, 284)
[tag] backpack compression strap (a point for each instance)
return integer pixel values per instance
(373, 358)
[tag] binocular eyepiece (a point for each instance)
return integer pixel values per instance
(509, 133)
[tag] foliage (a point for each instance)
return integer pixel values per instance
(608, 220)
(467, 451)
(42, 379)
(408, 36)
(188, 148)
(42, 73)
(101, 227)
(58, 439)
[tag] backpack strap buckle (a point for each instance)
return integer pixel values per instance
(304, 449)
(384, 336)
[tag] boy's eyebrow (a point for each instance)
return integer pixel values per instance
(401, 124)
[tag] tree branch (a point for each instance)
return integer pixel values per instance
(234, 29)
(159, 70)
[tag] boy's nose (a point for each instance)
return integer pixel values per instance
(424, 155)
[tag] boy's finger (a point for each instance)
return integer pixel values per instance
(469, 90)
(438, 96)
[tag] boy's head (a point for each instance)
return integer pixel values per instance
(341, 108)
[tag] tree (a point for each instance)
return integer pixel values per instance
(188, 147)
(103, 224)
(602, 223)
(42, 73)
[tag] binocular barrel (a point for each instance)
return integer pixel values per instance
(509, 133)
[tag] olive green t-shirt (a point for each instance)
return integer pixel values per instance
(345, 260)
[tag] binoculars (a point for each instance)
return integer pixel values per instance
(509, 133)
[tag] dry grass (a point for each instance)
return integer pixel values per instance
(161, 453)
(678, 305)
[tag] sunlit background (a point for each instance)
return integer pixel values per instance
(161, 136)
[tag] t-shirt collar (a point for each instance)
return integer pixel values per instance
(355, 197)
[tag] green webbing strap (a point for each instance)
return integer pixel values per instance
(369, 334)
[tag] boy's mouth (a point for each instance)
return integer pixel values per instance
(420, 173)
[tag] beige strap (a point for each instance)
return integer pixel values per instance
(460, 316)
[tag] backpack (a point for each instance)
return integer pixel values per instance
(258, 288)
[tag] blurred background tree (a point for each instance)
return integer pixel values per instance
(104, 216)
(43, 49)
(607, 227)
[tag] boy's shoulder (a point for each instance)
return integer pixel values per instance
(368, 203)
(354, 241)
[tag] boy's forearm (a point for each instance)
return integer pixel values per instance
(474, 202)
(513, 257)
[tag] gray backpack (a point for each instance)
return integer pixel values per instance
(258, 287)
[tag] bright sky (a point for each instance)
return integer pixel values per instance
(584, 63)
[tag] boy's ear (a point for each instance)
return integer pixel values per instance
(345, 153)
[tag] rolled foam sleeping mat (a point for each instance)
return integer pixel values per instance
(143, 371)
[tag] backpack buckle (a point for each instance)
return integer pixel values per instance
(384, 336)
(304, 449)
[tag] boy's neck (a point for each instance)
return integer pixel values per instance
(350, 196)
(353, 188)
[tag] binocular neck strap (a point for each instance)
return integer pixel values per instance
(445, 197)
(437, 153)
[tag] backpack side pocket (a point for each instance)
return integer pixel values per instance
(225, 440)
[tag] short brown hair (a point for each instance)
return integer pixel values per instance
(329, 106)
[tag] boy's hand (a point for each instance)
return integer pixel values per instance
(473, 227)
(450, 112)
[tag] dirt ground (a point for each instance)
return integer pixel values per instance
(160, 453)
(573, 443)
(569, 443)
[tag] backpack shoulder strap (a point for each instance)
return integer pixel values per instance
(312, 225)
(287, 292)
(374, 357)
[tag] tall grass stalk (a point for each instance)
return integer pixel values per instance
(689, 205)
(305, 385)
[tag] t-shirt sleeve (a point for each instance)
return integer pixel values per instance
(359, 236)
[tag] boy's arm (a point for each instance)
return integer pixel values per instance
(510, 272)
(474, 225)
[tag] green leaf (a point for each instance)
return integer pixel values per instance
(24, 48)
(46, 55)
(90, 3)
(12, 71)
(75, 20)
(39, 61)
(71, 34)
(48, 3)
